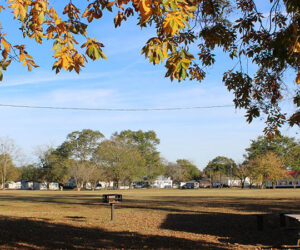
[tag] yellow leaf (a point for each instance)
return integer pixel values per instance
(6, 45)
(58, 21)
(29, 56)
(298, 78)
(22, 57)
(173, 22)
(297, 47)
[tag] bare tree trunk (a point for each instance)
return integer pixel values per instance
(79, 185)
(4, 172)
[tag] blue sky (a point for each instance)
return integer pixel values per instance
(125, 80)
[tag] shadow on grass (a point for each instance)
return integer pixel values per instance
(196, 204)
(76, 218)
(233, 228)
(55, 199)
(173, 204)
(21, 233)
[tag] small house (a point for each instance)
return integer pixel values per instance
(10, 185)
(18, 184)
(53, 186)
(163, 182)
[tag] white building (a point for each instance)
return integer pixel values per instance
(232, 182)
(162, 182)
(11, 185)
(53, 186)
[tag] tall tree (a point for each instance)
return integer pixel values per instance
(97, 174)
(220, 166)
(8, 170)
(121, 160)
(79, 148)
(242, 172)
(238, 27)
(190, 171)
(54, 166)
(174, 171)
(30, 173)
(80, 145)
(146, 143)
(285, 147)
(8, 153)
(269, 167)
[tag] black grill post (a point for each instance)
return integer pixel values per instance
(112, 199)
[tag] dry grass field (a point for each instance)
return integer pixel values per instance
(196, 219)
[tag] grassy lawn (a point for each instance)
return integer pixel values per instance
(205, 218)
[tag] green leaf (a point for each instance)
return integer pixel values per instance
(96, 52)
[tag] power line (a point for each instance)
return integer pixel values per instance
(115, 109)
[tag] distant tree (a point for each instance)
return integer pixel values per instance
(97, 173)
(11, 172)
(190, 171)
(282, 146)
(80, 172)
(54, 166)
(293, 162)
(253, 173)
(268, 167)
(242, 172)
(30, 173)
(121, 160)
(146, 143)
(220, 166)
(80, 145)
(8, 151)
(79, 148)
(174, 171)
(292, 158)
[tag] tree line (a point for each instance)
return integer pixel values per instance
(88, 157)
(265, 160)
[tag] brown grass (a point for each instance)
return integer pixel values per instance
(196, 219)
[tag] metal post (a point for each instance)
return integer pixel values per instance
(112, 207)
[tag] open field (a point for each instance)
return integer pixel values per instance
(212, 218)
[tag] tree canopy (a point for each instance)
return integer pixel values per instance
(146, 143)
(247, 34)
(220, 166)
(267, 167)
(288, 148)
(122, 161)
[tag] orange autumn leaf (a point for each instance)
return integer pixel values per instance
(6, 45)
